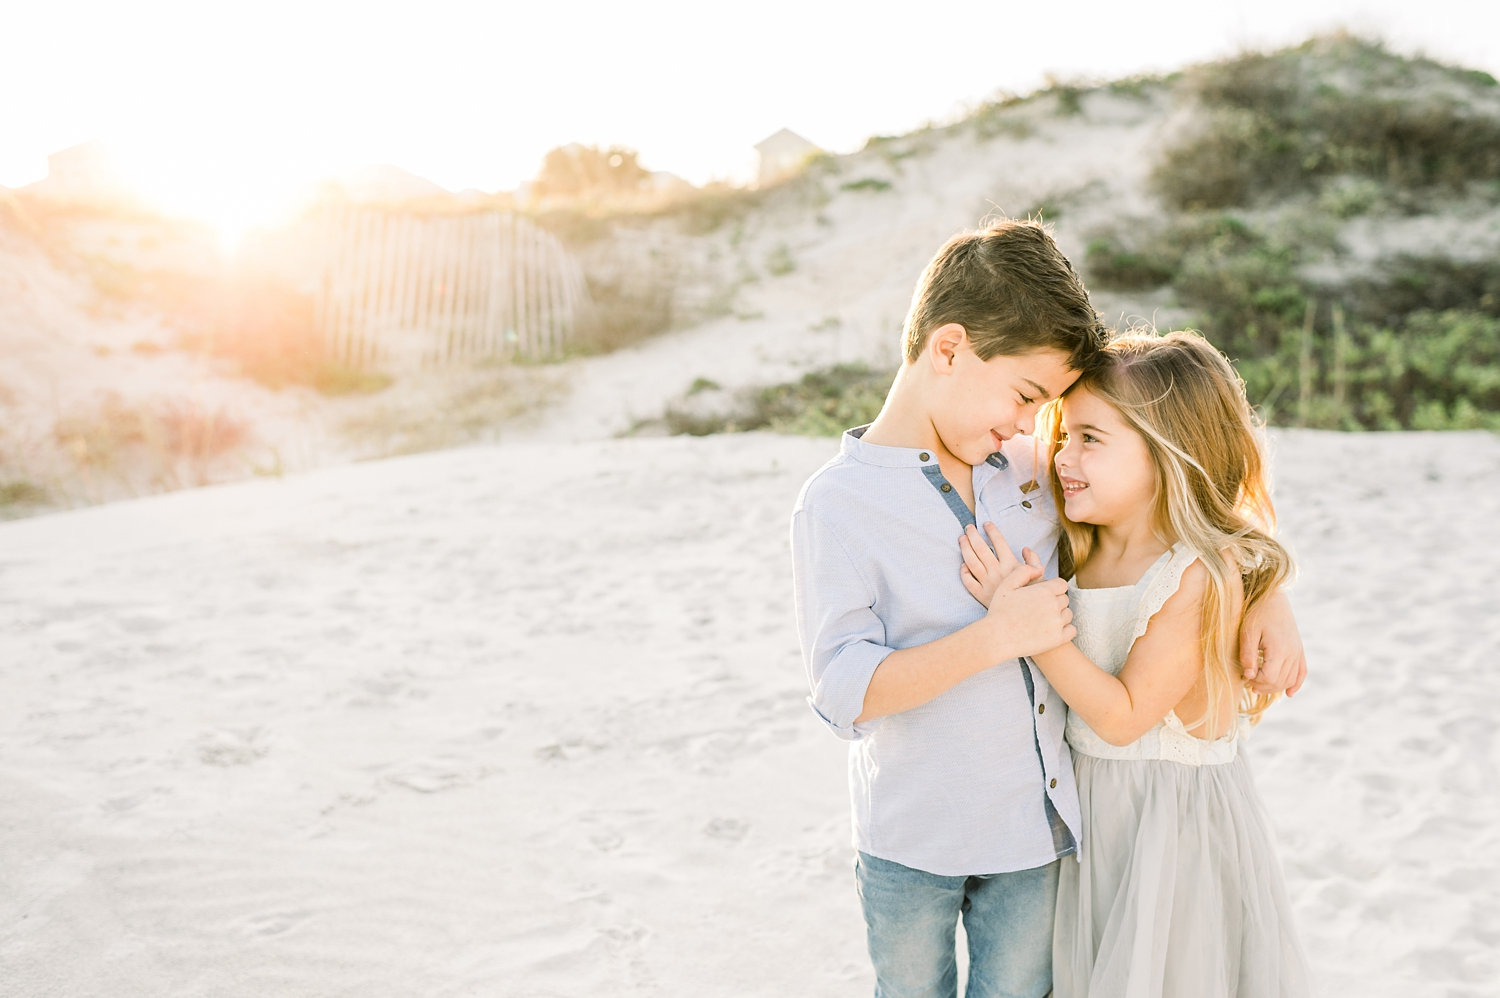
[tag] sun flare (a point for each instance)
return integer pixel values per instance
(232, 194)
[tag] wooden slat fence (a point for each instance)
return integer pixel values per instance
(400, 289)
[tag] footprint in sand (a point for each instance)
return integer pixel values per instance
(232, 748)
(274, 923)
(430, 776)
(1380, 783)
(606, 840)
(129, 802)
(726, 829)
(568, 751)
(140, 625)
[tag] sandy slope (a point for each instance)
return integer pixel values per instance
(527, 720)
(855, 256)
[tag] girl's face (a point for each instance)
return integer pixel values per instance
(1104, 467)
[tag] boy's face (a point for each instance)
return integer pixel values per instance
(986, 402)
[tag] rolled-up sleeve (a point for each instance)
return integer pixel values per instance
(843, 641)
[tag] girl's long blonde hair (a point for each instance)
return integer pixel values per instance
(1183, 397)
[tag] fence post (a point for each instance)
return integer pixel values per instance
(397, 286)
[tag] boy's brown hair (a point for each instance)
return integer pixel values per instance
(1013, 291)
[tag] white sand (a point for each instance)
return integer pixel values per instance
(528, 720)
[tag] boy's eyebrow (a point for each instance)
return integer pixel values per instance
(1039, 389)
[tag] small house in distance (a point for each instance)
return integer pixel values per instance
(781, 154)
(86, 173)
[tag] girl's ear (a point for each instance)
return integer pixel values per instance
(943, 344)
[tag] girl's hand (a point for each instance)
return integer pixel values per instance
(1271, 652)
(986, 565)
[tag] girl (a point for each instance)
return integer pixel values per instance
(1167, 533)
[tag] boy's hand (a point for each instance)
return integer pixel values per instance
(1032, 612)
(1271, 652)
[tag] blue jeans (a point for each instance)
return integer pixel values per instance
(911, 917)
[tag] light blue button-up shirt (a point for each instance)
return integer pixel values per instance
(977, 780)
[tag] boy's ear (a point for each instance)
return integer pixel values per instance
(943, 344)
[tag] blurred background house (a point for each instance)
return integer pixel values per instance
(782, 154)
(86, 173)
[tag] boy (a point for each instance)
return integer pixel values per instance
(961, 784)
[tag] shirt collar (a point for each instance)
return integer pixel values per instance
(882, 456)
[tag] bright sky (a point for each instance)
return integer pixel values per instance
(222, 108)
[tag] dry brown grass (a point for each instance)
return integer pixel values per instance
(449, 408)
(160, 444)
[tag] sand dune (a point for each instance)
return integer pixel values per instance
(527, 720)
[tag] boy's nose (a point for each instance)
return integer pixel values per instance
(1026, 422)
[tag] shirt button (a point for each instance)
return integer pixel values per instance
(1053, 783)
(924, 456)
(1026, 503)
(947, 487)
(1041, 708)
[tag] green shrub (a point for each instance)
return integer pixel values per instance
(822, 403)
(1415, 344)
(866, 184)
(706, 209)
(779, 261)
(1407, 283)
(890, 147)
(1274, 125)
(1237, 154)
(1112, 266)
(1243, 284)
(1351, 198)
(994, 118)
(1439, 370)
(1070, 99)
(20, 492)
(1134, 87)
(825, 402)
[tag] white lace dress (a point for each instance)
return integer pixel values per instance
(1178, 892)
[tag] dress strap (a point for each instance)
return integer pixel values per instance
(1159, 583)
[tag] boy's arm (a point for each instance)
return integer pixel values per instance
(1022, 620)
(1271, 652)
(856, 677)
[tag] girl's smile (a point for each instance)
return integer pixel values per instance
(1104, 467)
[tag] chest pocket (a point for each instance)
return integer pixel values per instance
(1028, 519)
